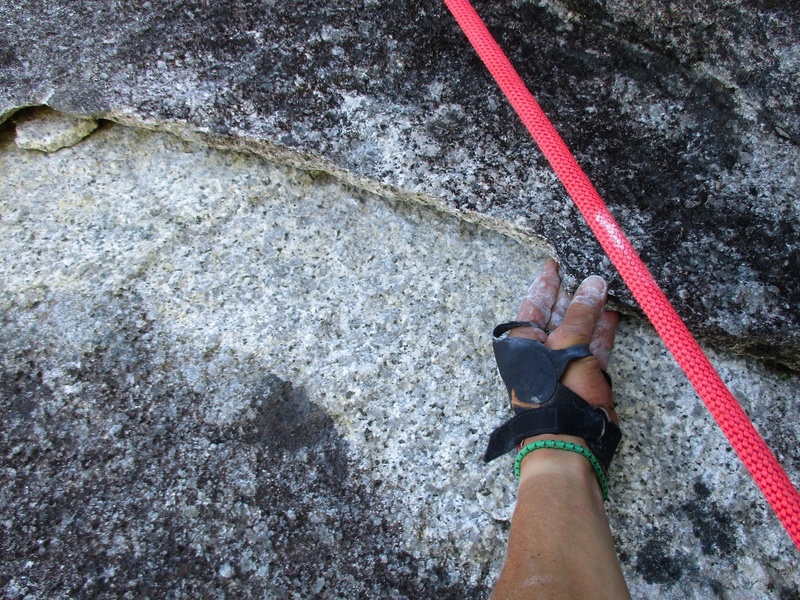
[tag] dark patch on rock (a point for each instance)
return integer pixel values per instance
(711, 526)
(116, 485)
(746, 41)
(285, 418)
(789, 594)
(656, 564)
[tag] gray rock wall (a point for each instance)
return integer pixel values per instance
(225, 377)
(255, 362)
(685, 117)
(749, 48)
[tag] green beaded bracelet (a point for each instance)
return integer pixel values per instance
(559, 445)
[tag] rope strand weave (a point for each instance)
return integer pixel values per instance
(748, 444)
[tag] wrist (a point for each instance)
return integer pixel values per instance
(548, 459)
(555, 461)
(555, 436)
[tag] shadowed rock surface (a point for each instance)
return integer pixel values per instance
(685, 118)
(132, 494)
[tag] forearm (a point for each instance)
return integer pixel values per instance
(560, 544)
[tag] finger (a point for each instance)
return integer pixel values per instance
(559, 309)
(603, 337)
(582, 314)
(537, 304)
(531, 333)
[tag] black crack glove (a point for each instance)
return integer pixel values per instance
(531, 373)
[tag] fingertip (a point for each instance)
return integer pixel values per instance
(541, 295)
(582, 314)
(603, 337)
(559, 309)
(612, 318)
(593, 288)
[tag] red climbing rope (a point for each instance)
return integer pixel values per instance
(734, 422)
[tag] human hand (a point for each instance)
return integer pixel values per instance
(565, 321)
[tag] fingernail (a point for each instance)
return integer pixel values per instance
(594, 286)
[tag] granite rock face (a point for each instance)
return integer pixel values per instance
(750, 48)
(224, 377)
(684, 117)
(254, 362)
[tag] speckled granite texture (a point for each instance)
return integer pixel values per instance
(223, 377)
(684, 114)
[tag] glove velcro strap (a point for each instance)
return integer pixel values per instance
(566, 414)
